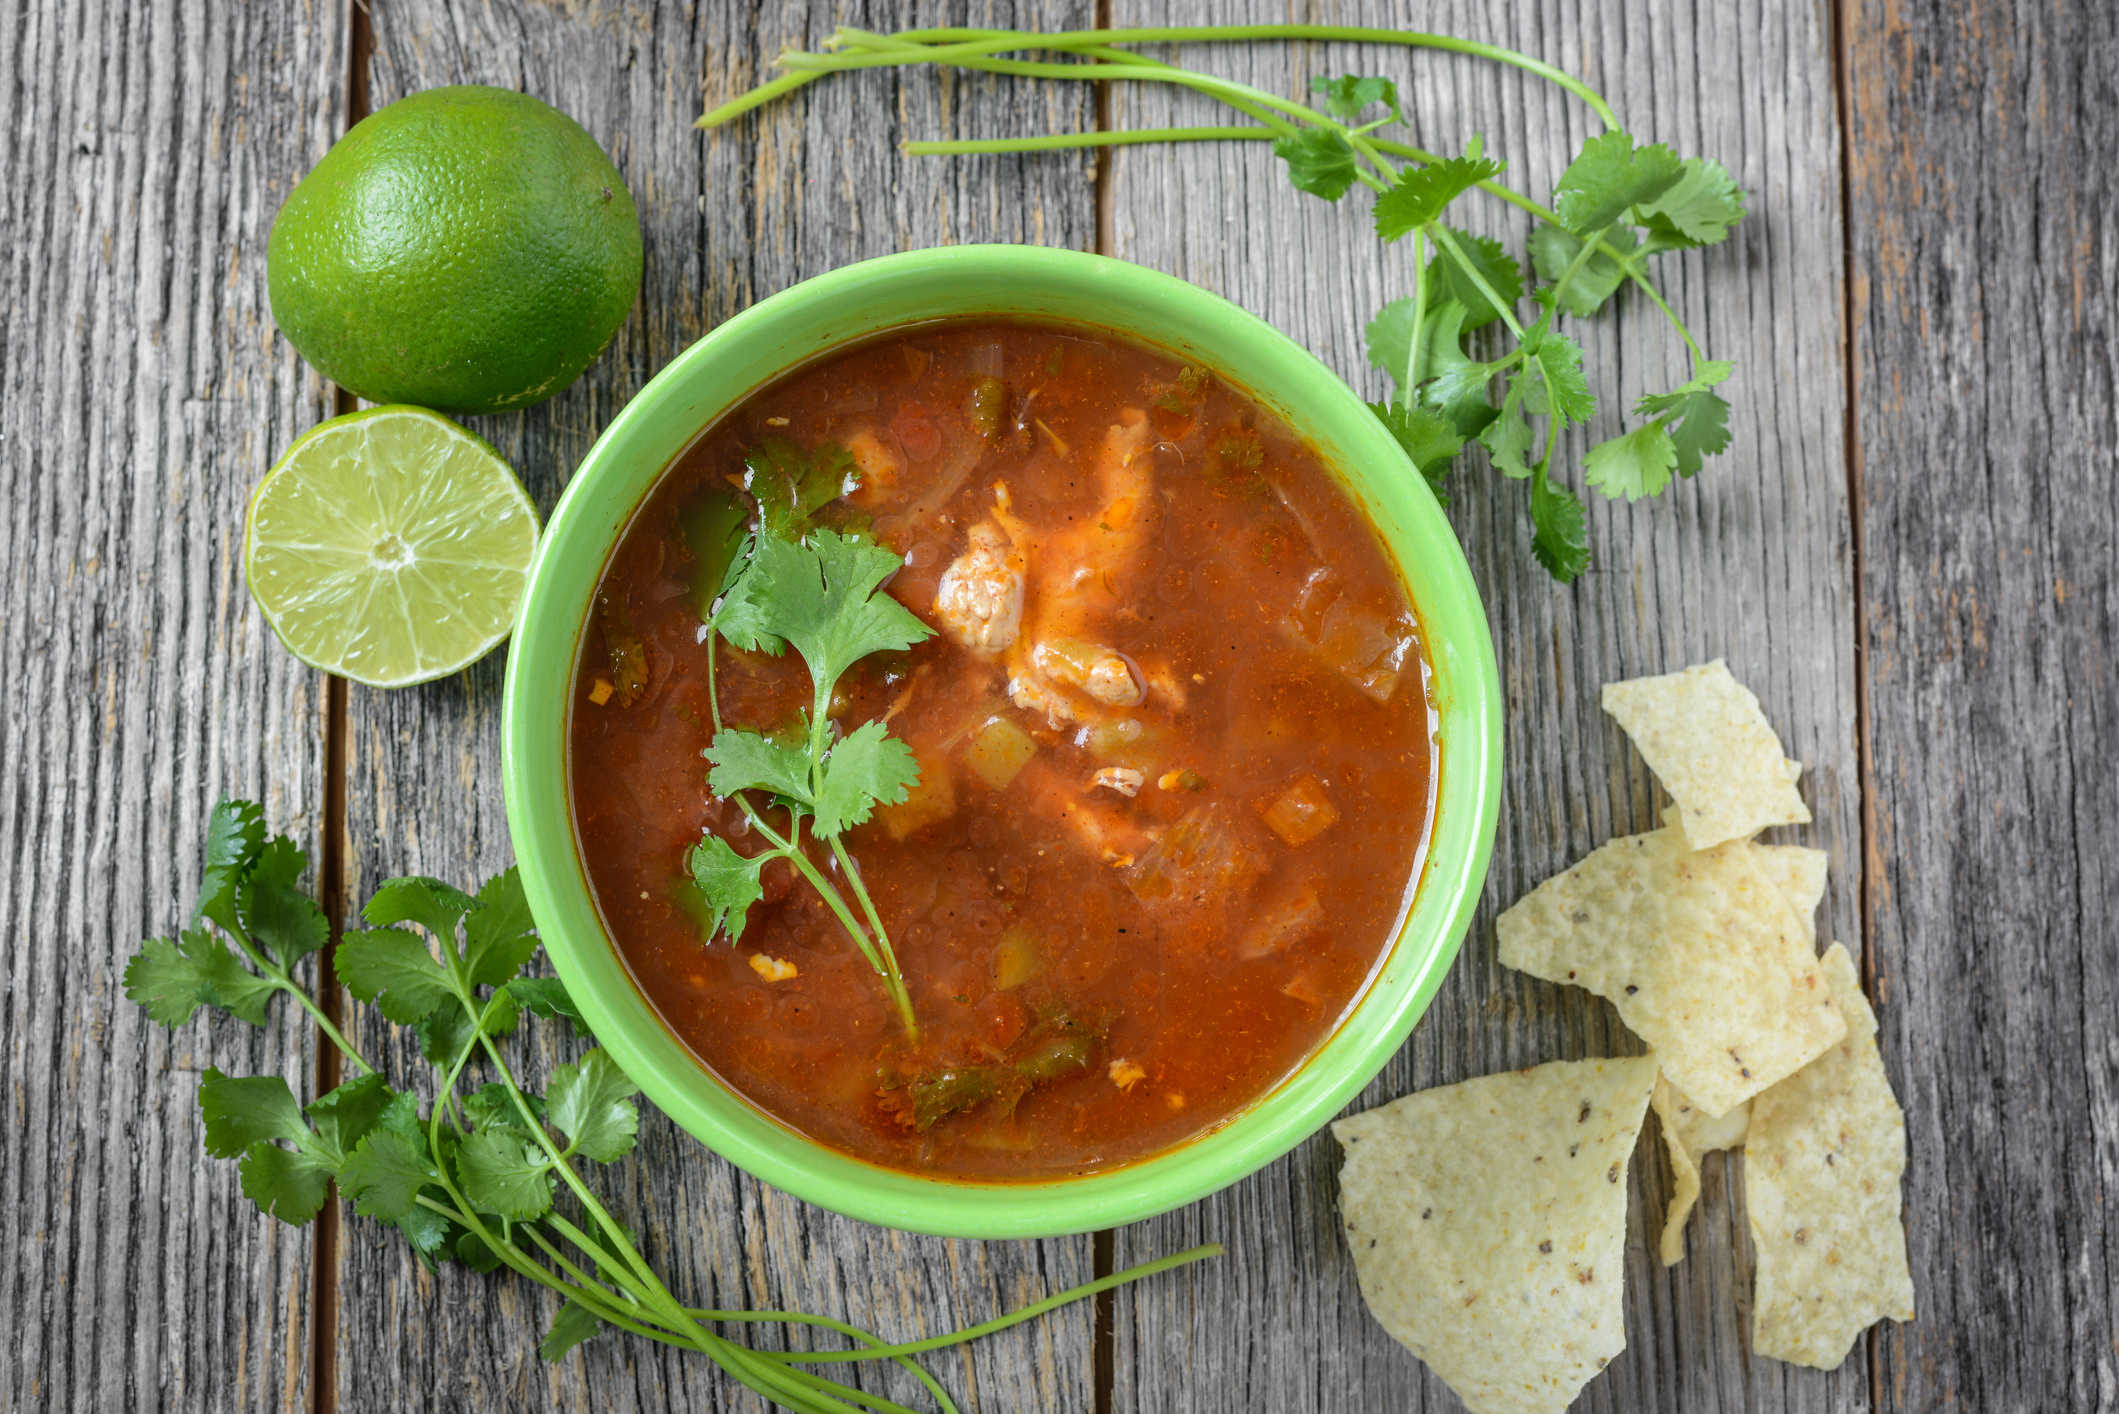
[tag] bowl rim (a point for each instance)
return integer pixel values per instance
(1037, 284)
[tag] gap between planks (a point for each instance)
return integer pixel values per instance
(1865, 773)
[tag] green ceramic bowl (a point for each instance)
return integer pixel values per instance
(848, 305)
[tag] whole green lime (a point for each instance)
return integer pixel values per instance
(466, 248)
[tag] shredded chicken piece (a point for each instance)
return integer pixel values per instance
(1123, 779)
(772, 969)
(980, 598)
(1126, 1074)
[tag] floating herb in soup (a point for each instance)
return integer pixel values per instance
(1001, 751)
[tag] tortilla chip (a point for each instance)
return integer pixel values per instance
(1700, 952)
(1687, 1134)
(1488, 1225)
(1688, 1131)
(1821, 1173)
(1799, 873)
(1702, 733)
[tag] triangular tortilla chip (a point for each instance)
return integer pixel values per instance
(1488, 1224)
(1704, 736)
(1822, 1165)
(1699, 951)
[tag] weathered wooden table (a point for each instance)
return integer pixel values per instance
(1910, 553)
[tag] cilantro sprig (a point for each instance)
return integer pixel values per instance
(820, 593)
(1619, 204)
(491, 1175)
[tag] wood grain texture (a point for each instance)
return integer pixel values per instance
(729, 218)
(145, 394)
(1984, 267)
(1750, 562)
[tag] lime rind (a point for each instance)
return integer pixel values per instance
(390, 546)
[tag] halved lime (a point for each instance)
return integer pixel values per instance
(389, 546)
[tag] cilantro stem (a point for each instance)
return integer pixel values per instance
(998, 1323)
(280, 978)
(1447, 243)
(1057, 142)
(1417, 352)
(955, 41)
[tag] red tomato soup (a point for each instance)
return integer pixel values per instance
(1175, 753)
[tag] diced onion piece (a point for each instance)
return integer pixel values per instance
(1302, 814)
(1201, 857)
(601, 692)
(772, 969)
(1368, 647)
(999, 752)
(1283, 924)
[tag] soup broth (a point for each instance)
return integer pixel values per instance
(1176, 757)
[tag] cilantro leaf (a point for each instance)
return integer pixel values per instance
(1698, 209)
(499, 935)
(1697, 420)
(729, 883)
(447, 1032)
(1447, 280)
(1508, 438)
(347, 1115)
(1421, 194)
(548, 997)
(242, 1110)
(791, 487)
(1390, 341)
(430, 903)
(235, 832)
(274, 909)
(573, 1324)
(491, 1104)
(1634, 465)
(822, 597)
(1346, 96)
(1560, 361)
(173, 979)
(288, 1184)
(503, 1172)
(384, 1174)
(1454, 384)
(1429, 439)
(1609, 177)
(866, 767)
(1553, 252)
(392, 968)
(1319, 162)
(249, 1115)
(747, 760)
(591, 1103)
(1561, 538)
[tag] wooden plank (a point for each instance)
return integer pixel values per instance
(730, 218)
(146, 393)
(1983, 317)
(1751, 562)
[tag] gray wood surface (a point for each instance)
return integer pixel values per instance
(729, 219)
(1983, 318)
(1750, 561)
(1962, 608)
(142, 394)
